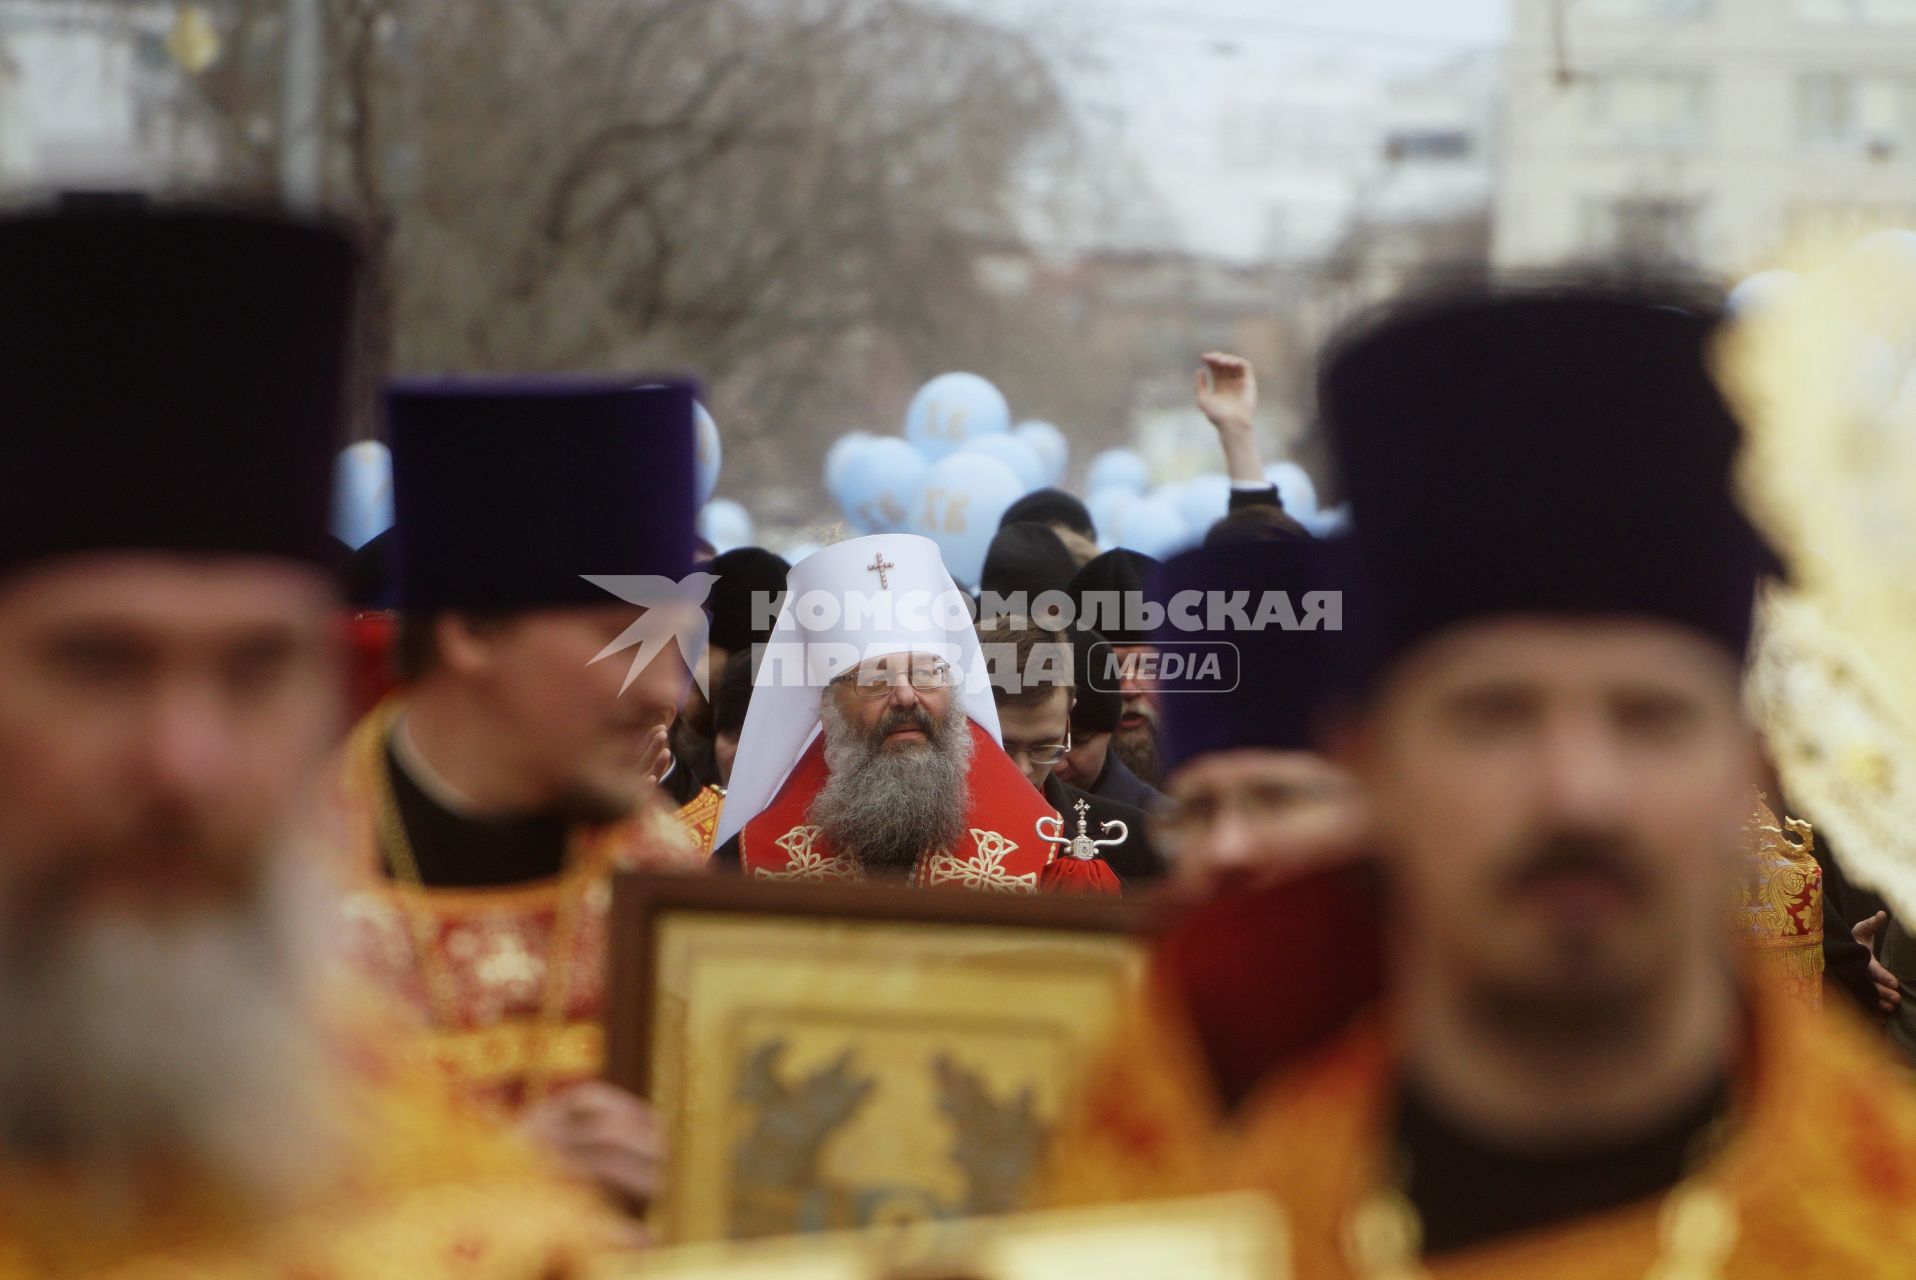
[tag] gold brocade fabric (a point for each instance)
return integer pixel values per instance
(500, 1041)
(1821, 376)
(1779, 905)
(700, 817)
(1820, 1167)
(425, 1192)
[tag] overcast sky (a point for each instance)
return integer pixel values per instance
(1161, 74)
(1263, 32)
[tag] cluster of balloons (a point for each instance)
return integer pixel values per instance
(1167, 519)
(959, 463)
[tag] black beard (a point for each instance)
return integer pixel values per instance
(1606, 1008)
(887, 806)
(1138, 749)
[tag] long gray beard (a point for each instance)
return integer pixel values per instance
(188, 1042)
(887, 807)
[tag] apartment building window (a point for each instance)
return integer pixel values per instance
(1881, 13)
(1645, 10)
(1644, 229)
(1838, 111)
(1428, 145)
(1648, 109)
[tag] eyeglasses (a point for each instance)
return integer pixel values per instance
(1041, 753)
(878, 680)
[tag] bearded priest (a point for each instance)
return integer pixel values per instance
(872, 748)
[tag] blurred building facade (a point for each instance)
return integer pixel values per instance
(1705, 133)
(88, 94)
(1292, 166)
(1284, 204)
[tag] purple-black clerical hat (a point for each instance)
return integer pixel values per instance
(1562, 452)
(507, 491)
(1274, 616)
(174, 380)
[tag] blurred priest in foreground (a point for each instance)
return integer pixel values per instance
(178, 1095)
(1565, 1065)
(490, 801)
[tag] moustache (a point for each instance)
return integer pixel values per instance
(905, 718)
(162, 857)
(1600, 854)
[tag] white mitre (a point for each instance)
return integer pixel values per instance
(889, 593)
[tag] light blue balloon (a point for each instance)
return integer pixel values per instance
(1053, 449)
(1325, 524)
(725, 524)
(1118, 469)
(1107, 507)
(839, 457)
(951, 411)
(1014, 453)
(880, 481)
(1295, 488)
(706, 452)
(1152, 525)
(1203, 500)
(959, 505)
(362, 493)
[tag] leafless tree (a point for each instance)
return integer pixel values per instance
(784, 196)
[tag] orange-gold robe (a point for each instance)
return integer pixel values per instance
(473, 965)
(1821, 1167)
(1779, 904)
(700, 818)
(423, 1190)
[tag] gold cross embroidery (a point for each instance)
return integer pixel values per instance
(881, 567)
(804, 860)
(985, 868)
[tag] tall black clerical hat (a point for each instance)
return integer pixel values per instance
(507, 491)
(1274, 616)
(1109, 595)
(1025, 556)
(174, 381)
(1555, 453)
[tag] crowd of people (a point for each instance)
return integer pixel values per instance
(1493, 946)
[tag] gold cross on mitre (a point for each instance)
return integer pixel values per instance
(881, 567)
